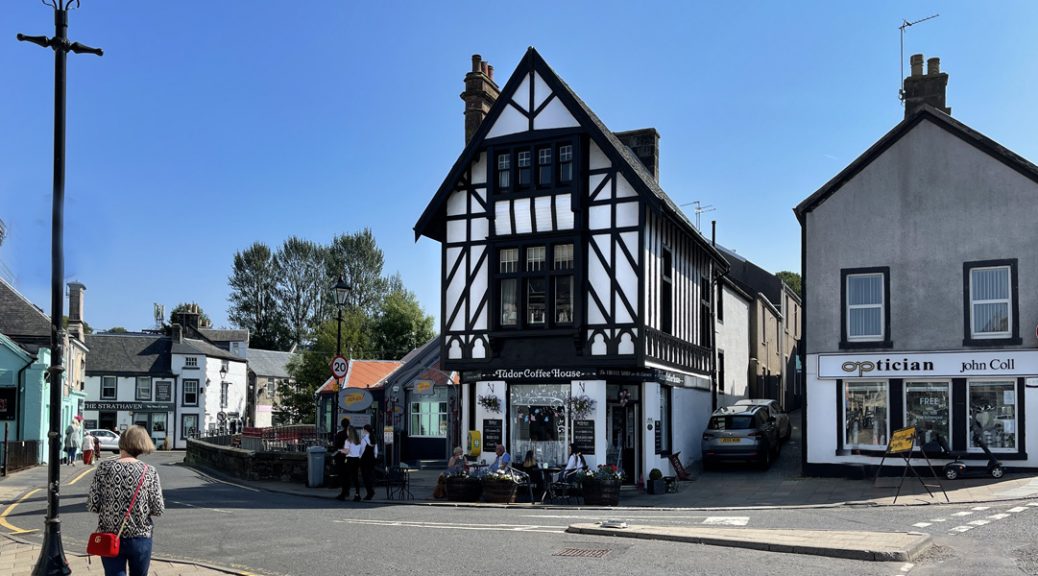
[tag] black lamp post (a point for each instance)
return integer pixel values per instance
(342, 291)
(52, 555)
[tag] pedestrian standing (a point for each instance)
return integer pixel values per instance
(339, 444)
(88, 448)
(117, 484)
(354, 450)
(369, 454)
(73, 441)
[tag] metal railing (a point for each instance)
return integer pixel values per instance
(293, 438)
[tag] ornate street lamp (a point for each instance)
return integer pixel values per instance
(52, 554)
(342, 292)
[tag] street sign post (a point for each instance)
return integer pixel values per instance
(340, 366)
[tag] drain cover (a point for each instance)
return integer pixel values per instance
(581, 553)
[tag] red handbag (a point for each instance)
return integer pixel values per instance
(106, 544)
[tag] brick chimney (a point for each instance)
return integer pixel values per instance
(187, 318)
(480, 94)
(178, 333)
(645, 144)
(75, 310)
(925, 89)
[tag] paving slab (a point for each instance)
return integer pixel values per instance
(854, 545)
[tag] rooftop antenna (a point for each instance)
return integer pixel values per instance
(699, 209)
(900, 81)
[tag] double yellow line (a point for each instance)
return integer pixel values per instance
(16, 530)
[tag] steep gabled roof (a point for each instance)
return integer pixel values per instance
(751, 278)
(193, 346)
(432, 223)
(423, 363)
(224, 335)
(941, 120)
(20, 318)
(143, 354)
(272, 363)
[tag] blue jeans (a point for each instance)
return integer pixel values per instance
(135, 551)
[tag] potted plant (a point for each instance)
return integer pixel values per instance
(499, 487)
(656, 484)
(463, 488)
(581, 406)
(490, 403)
(602, 486)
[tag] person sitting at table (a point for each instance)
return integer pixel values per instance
(529, 461)
(503, 460)
(456, 465)
(574, 464)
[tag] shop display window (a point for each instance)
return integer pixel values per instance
(993, 406)
(927, 407)
(539, 422)
(866, 415)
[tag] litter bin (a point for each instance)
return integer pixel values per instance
(315, 466)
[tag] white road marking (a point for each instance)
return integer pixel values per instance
(727, 520)
(1033, 504)
(202, 507)
(921, 524)
(998, 516)
(1018, 509)
(907, 566)
(938, 519)
(980, 522)
(455, 526)
(979, 508)
(962, 513)
(961, 529)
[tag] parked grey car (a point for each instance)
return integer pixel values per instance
(109, 440)
(781, 418)
(741, 433)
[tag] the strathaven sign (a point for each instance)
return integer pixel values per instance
(926, 364)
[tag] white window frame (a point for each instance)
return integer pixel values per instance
(137, 389)
(190, 362)
(881, 306)
(435, 415)
(197, 392)
(115, 388)
(1008, 301)
(843, 406)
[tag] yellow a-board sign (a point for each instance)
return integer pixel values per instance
(901, 440)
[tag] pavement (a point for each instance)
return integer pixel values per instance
(731, 488)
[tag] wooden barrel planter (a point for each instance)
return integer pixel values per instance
(601, 492)
(463, 489)
(499, 491)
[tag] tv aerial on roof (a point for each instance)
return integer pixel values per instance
(906, 24)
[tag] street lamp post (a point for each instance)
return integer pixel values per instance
(342, 292)
(52, 554)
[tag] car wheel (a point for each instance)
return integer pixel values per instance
(997, 472)
(951, 473)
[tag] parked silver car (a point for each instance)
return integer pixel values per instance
(781, 418)
(741, 433)
(109, 440)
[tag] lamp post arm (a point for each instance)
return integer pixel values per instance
(84, 49)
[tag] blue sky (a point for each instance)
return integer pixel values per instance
(211, 125)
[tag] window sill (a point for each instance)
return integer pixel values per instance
(862, 344)
(989, 342)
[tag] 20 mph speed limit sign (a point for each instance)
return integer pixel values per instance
(339, 366)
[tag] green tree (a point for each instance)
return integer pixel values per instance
(359, 260)
(792, 279)
(401, 325)
(254, 299)
(300, 267)
(203, 318)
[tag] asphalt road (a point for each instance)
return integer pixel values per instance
(230, 525)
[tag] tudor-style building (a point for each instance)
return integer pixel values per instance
(919, 265)
(569, 274)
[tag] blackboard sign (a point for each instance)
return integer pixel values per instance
(8, 403)
(491, 434)
(659, 436)
(584, 436)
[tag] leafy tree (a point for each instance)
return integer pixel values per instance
(254, 299)
(401, 325)
(359, 260)
(792, 279)
(300, 270)
(203, 318)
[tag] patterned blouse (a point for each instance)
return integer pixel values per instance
(112, 489)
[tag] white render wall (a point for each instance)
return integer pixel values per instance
(733, 338)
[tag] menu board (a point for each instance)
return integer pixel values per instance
(584, 436)
(492, 434)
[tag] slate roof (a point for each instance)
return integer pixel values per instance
(22, 321)
(142, 354)
(751, 278)
(423, 363)
(941, 120)
(431, 222)
(271, 363)
(214, 335)
(192, 346)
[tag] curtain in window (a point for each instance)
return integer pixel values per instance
(865, 303)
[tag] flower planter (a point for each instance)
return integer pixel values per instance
(656, 487)
(463, 489)
(601, 492)
(499, 491)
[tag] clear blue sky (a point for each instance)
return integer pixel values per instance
(210, 125)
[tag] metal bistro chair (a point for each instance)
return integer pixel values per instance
(398, 484)
(523, 480)
(558, 490)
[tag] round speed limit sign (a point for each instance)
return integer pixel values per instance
(339, 366)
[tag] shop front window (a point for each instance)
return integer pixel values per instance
(429, 415)
(865, 412)
(539, 422)
(993, 407)
(927, 408)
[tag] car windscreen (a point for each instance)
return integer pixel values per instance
(738, 422)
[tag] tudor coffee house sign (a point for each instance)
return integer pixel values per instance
(910, 364)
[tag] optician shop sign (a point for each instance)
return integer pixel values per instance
(908, 364)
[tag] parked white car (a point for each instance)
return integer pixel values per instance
(109, 440)
(781, 418)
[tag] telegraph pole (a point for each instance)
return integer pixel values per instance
(52, 556)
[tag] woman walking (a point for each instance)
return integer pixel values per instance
(128, 484)
(73, 441)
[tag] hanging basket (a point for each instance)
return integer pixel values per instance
(499, 491)
(463, 489)
(600, 492)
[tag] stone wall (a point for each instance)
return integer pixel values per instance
(248, 464)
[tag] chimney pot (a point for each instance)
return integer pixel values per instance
(490, 71)
(476, 59)
(933, 66)
(917, 64)
(480, 94)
